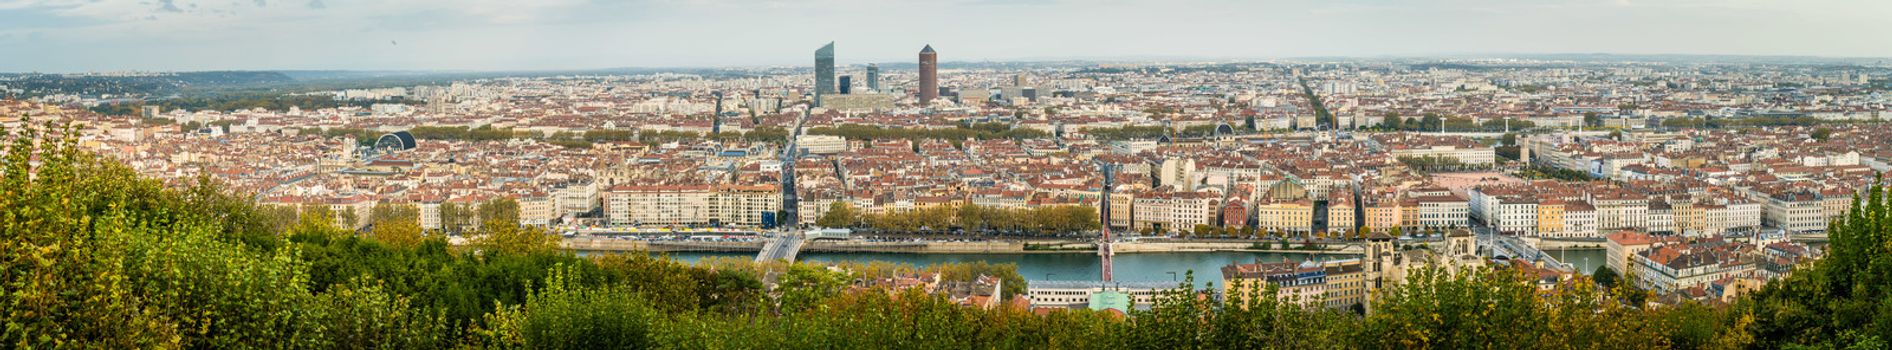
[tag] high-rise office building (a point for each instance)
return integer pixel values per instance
(873, 78)
(929, 75)
(824, 72)
(847, 84)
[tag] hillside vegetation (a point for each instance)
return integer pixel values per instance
(94, 256)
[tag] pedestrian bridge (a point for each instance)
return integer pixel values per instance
(1517, 249)
(786, 248)
(1808, 237)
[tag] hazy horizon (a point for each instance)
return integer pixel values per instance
(1605, 57)
(552, 35)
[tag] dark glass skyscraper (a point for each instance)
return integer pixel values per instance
(873, 78)
(847, 84)
(929, 75)
(824, 72)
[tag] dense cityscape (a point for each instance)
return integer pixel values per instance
(1447, 201)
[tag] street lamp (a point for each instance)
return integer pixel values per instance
(1172, 276)
(1048, 276)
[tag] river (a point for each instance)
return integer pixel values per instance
(1129, 267)
(1206, 266)
(1586, 259)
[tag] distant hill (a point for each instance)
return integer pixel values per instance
(158, 84)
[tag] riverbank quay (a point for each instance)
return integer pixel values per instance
(607, 244)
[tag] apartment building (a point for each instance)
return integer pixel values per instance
(538, 209)
(690, 205)
(1447, 211)
(1550, 218)
(1175, 211)
(1290, 217)
(1579, 220)
(1346, 284)
(657, 205)
(1299, 282)
(1661, 217)
(1692, 263)
(1381, 216)
(743, 205)
(1620, 246)
(1795, 210)
(1616, 210)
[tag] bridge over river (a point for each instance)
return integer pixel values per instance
(1518, 249)
(780, 249)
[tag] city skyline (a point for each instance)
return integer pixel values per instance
(185, 35)
(1081, 174)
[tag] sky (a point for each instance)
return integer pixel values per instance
(188, 35)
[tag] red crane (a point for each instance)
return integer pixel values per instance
(1103, 213)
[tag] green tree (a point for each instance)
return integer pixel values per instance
(458, 218)
(503, 237)
(1841, 301)
(1013, 283)
(57, 287)
(840, 214)
(395, 224)
(362, 314)
(569, 314)
(94, 256)
(804, 287)
(1202, 231)
(1251, 316)
(974, 217)
(498, 212)
(243, 220)
(1481, 308)
(1604, 276)
(276, 220)
(316, 219)
(1821, 134)
(349, 218)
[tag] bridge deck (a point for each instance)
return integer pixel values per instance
(782, 247)
(1517, 249)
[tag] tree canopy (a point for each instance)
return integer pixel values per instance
(92, 255)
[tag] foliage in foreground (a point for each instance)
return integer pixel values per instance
(1841, 301)
(93, 256)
